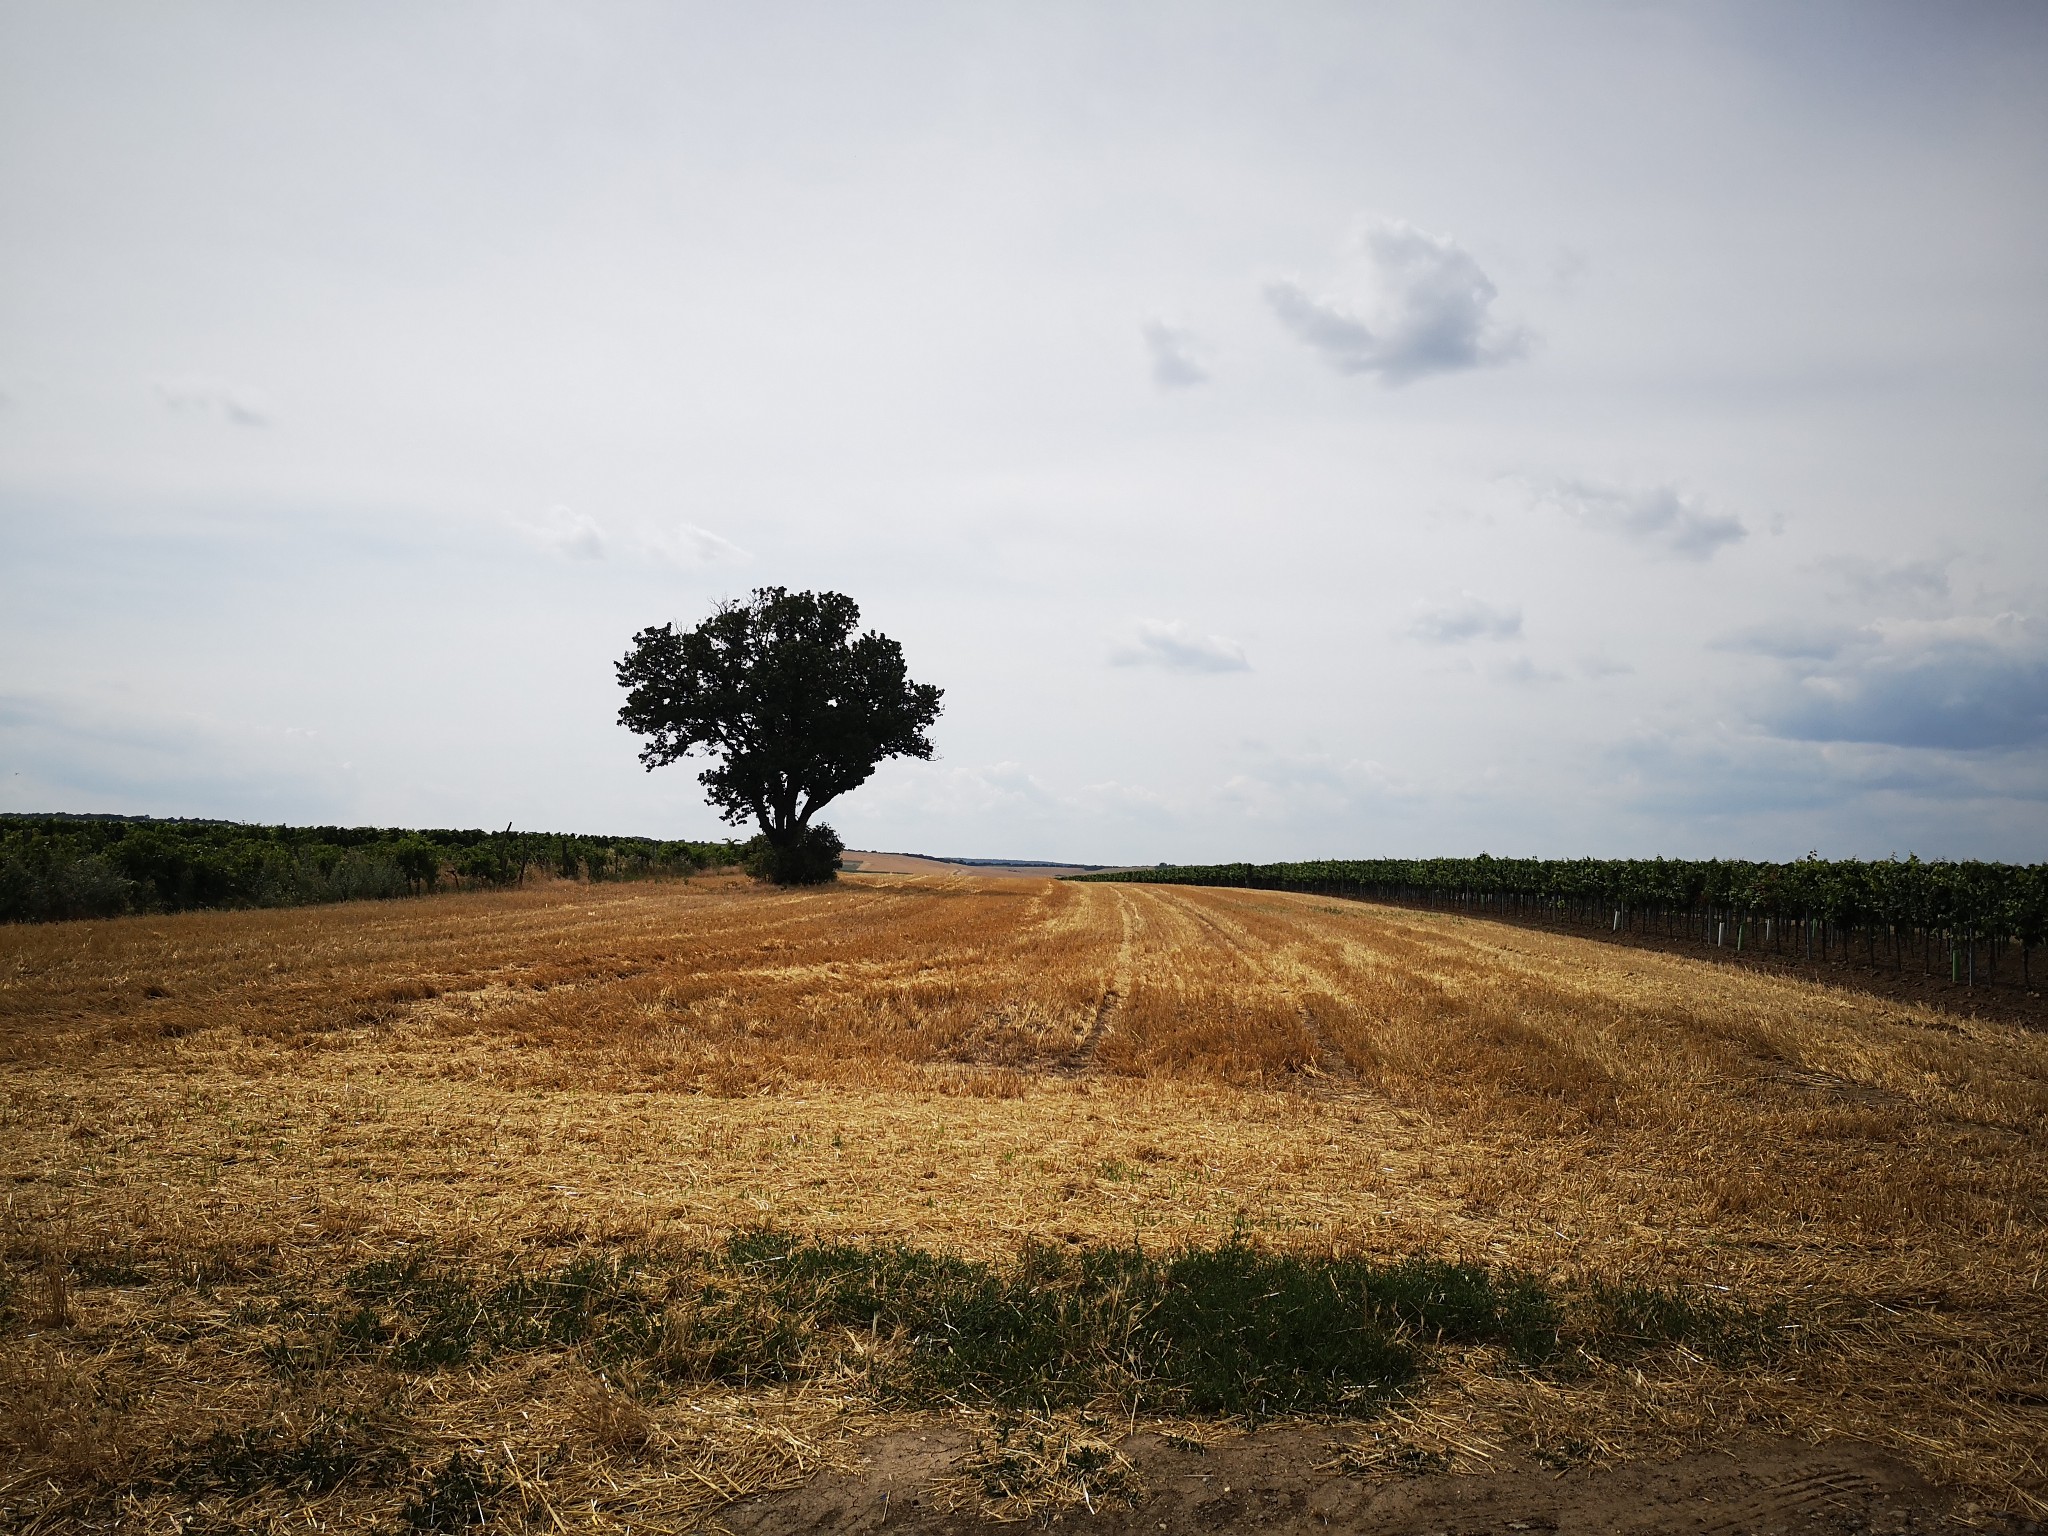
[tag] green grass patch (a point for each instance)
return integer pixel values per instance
(464, 1492)
(1627, 1320)
(1230, 1330)
(1207, 1330)
(329, 1451)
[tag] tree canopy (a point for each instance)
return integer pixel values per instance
(797, 707)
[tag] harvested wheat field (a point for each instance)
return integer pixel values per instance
(928, 1202)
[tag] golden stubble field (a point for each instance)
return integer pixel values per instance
(206, 1115)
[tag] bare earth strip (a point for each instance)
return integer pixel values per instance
(241, 1106)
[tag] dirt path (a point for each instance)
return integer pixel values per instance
(1290, 1479)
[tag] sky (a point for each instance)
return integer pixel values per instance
(1316, 431)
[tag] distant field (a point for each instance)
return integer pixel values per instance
(395, 1211)
(866, 863)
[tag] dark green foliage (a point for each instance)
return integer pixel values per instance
(1461, 1303)
(465, 1492)
(1243, 1332)
(333, 1448)
(1225, 1330)
(809, 857)
(419, 861)
(1631, 1319)
(794, 705)
(57, 867)
(1215, 1330)
(424, 1315)
(442, 1319)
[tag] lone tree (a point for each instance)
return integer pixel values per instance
(799, 707)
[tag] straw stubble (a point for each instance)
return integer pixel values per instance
(211, 1118)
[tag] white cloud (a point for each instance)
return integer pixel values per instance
(1660, 516)
(563, 531)
(949, 793)
(1922, 582)
(687, 545)
(1468, 618)
(577, 535)
(1596, 665)
(1175, 355)
(211, 397)
(1521, 672)
(1426, 308)
(1307, 788)
(1111, 797)
(1173, 645)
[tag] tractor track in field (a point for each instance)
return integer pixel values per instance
(1328, 1071)
(1082, 1061)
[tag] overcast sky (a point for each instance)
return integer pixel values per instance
(1282, 431)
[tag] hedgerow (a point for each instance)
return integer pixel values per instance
(55, 867)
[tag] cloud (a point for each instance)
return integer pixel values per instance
(1173, 645)
(1895, 581)
(1174, 356)
(1786, 796)
(211, 397)
(687, 545)
(577, 535)
(919, 793)
(1957, 684)
(1112, 797)
(116, 749)
(1427, 309)
(1660, 516)
(1469, 618)
(1524, 673)
(1789, 642)
(563, 531)
(1307, 788)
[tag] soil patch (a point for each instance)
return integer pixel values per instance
(1293, 1478)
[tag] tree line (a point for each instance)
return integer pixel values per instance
(1963, 918)
(54, 867)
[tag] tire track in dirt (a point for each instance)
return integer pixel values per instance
(1112, 995)
(1285, 1480)
(1768, 1507)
